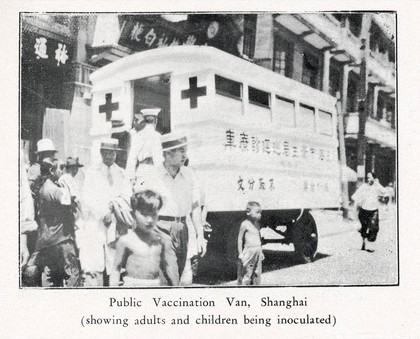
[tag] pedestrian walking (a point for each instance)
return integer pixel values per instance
(250, 255)
(103, 183)
(139, 250)
(55, 249)
(366, 199)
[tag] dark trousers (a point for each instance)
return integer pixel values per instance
(174, 250)
(61, 266)
(370, 224)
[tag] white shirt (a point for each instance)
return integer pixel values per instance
(67, 181)
(179, 194)
(97, 192)
(143, 144)
(367, 196)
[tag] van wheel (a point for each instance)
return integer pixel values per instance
(305, 238)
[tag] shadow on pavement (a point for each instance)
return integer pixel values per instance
(214, 268)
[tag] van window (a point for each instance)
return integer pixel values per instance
(228, 87)
(306, 119)
(325, 125)
(285, 108)
(258, 97)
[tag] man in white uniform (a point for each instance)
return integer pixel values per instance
(145, 147)
(103, 183)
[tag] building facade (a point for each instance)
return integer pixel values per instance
(352, 54)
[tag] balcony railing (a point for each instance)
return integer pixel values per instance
(377, 131)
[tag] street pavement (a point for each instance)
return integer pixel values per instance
(339, 260)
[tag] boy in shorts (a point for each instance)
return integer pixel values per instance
(139, 251)
(250, 247)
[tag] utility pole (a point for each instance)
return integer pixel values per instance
(362, 109)
(343, 161)
(363, 98)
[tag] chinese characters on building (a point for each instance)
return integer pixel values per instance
(41, 50)
(148, 36)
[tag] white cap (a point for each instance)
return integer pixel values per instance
(150, 112)
(45, 145)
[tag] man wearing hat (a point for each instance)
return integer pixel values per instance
(177, 185)
(45, 149)
(55, 243)
(67, 179)
(145, 147)
(103, 183)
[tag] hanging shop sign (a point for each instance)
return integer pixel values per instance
(143, 32)
(38, 49)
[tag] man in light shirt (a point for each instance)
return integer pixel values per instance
(103, 183)
(367, 199)
(178, 187)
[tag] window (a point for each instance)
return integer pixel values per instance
(307, 118)
(250, 28)
(258, 97)
(283, 57)
(352, 93)
(391, 112)
(286, 109)
(325, 125)
(228, 87)
(355, 23)
(310, 70)
(381, 106)
(334, 83)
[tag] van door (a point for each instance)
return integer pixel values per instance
(154, 92)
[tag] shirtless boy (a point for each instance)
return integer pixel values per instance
(249, 247)
(139, 250)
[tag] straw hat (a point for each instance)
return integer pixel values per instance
(173, 140)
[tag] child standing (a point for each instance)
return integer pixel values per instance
(249, 247)
(139, 251)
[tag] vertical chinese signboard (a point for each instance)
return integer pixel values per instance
(45, 67)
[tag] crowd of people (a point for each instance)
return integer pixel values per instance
(143, 226)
